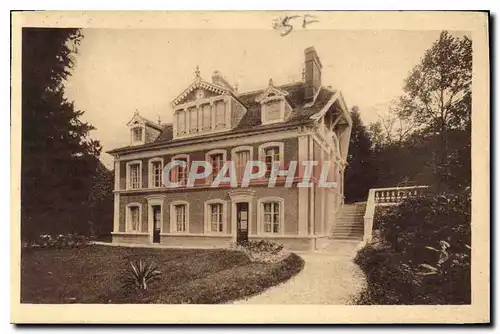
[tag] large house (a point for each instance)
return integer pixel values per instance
(214, 122)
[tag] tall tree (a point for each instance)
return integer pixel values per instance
(437, 97)
(58, 157)
(360, 175)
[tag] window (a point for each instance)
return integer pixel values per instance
(270, 215)
(220, 115)
(193, 120)
(242, 159)
(271, 155)
(180, 217)
(216, 218)
(137, 134)
(155, 172)
(134, 175)
(216, 158)
(180, 173)
(217, 161)
(273, 111)
(133, 218)
(207, 117)
(181, 122)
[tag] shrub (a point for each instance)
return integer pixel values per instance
(141, 274)
(262, 251)
(60, 241)
(423, 254)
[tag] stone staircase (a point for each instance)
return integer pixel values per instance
(349, 224)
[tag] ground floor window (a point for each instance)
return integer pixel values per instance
(180, 217)
(271, 212)
(272, 217)
(215, 216)
(134, 218)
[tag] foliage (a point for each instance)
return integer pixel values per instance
(404, 267)
(197, 276)
(141, 275)
(360, 174)
(425, 138)
(59, 159)
(59, 241)
(262, 251)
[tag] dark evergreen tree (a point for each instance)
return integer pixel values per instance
(360, 174)
(59, 160)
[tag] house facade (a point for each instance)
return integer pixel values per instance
(301, 121)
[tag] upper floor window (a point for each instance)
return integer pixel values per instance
(220, 115)
(273, 111)
(155, 173)
(134, 175)
(181, 122)
(180, 173)
(241, 156)
(271, 154)
(216, 158)
(193, 120)
(206, 117)
(137, 134)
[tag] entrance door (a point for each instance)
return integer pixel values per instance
(156, 223)
(242, 222)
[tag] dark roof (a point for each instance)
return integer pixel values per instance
(251, 121)
(167, 134)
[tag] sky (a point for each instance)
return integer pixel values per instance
(119, 71)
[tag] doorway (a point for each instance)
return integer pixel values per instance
(242, 218)
(156, 209)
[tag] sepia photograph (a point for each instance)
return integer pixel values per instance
(251, 160)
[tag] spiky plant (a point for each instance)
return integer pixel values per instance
(142, 274)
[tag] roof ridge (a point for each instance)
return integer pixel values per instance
(263, 89)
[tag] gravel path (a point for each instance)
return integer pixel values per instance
(328, 277)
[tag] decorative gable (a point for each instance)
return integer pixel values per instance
(274, 106)
(199, 90)
(206, 108)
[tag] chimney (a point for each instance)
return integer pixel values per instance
(312, 73)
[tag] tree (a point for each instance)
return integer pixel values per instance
(437, 97)
(360, 174)
(59, 158)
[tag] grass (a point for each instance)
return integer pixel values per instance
(95, 274)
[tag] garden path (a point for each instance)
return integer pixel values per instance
(329, 277)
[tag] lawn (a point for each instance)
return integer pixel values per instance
(95, 274)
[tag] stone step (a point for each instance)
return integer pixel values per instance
(353, 218)
(346, 237)
(348, 225)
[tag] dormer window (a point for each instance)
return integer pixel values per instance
(273, 111)
(205, 108)
(273, 104)
(137, 134)
(142, 131)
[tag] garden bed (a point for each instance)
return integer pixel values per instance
(95, 274)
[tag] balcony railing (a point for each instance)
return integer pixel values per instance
(384, 197)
